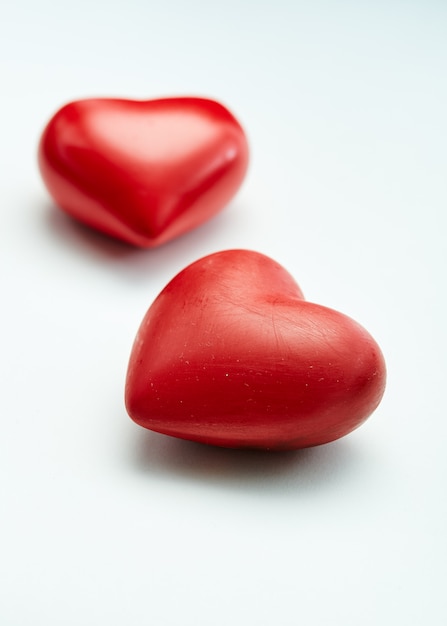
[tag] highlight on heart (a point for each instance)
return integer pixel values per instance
(143, 171)
(231, 354)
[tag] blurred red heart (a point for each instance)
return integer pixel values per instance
(231, 354)
(143, 171)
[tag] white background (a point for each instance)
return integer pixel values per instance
(345, 107)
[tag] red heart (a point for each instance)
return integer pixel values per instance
(231, 354)
(143, 171)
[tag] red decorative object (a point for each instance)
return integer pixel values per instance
(143, 171)
(231, 354)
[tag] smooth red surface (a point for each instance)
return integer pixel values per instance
(231, 354)
(143, 171)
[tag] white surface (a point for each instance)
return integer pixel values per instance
(104, 523)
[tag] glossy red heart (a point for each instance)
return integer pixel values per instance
(231, 354)
(143, 171)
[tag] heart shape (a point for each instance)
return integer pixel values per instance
(231, 354)
(143, 171)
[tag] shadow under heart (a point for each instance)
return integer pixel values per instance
(307, 469)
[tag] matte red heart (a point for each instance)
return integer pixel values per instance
(143, 171)
(231, 354)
